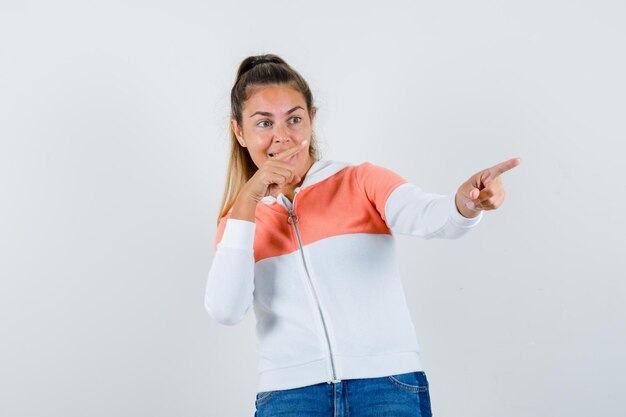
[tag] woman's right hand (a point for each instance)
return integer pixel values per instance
(274, 175)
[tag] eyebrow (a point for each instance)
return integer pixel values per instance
(267, 114)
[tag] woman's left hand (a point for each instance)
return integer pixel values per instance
(484, 190)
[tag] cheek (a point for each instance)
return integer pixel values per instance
(259, 144)
(258, 148)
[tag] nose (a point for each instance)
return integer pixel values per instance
(281, 133)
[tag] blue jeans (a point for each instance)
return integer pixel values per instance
(402, 395)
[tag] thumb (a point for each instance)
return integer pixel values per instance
(466, 195)
(473, 195)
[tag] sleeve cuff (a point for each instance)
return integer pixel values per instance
(458, 218)
(238, 234)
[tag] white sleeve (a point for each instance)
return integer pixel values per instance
(230, 284)
(411, 211)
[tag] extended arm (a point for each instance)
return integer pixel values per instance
(411, 211)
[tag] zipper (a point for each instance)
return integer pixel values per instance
(294, 220)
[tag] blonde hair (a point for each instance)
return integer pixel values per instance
(255, 71)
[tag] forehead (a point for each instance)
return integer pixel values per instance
(274, 98)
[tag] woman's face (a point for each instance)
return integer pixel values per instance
(274, 119)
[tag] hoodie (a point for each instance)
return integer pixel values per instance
(321, 275)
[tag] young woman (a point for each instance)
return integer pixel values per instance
(309, 243)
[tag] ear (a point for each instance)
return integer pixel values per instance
(312, 113)
(237, 131)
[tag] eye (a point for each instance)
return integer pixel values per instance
(260, 124)
(297, 119)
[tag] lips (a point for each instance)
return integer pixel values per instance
(273, 153)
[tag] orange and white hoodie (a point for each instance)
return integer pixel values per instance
(321, 274)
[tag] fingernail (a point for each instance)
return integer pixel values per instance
(304, 142)
(470, 205)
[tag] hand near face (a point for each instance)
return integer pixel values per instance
(275, 174)
(484, 190)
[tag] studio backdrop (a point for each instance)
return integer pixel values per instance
(113, 151)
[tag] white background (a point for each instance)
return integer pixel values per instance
(114, 138)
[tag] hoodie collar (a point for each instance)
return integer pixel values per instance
(319, 171)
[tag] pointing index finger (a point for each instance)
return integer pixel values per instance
(503, 167)
(291, 151)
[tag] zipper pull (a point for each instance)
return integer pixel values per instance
(293, 206)
(292, 219)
